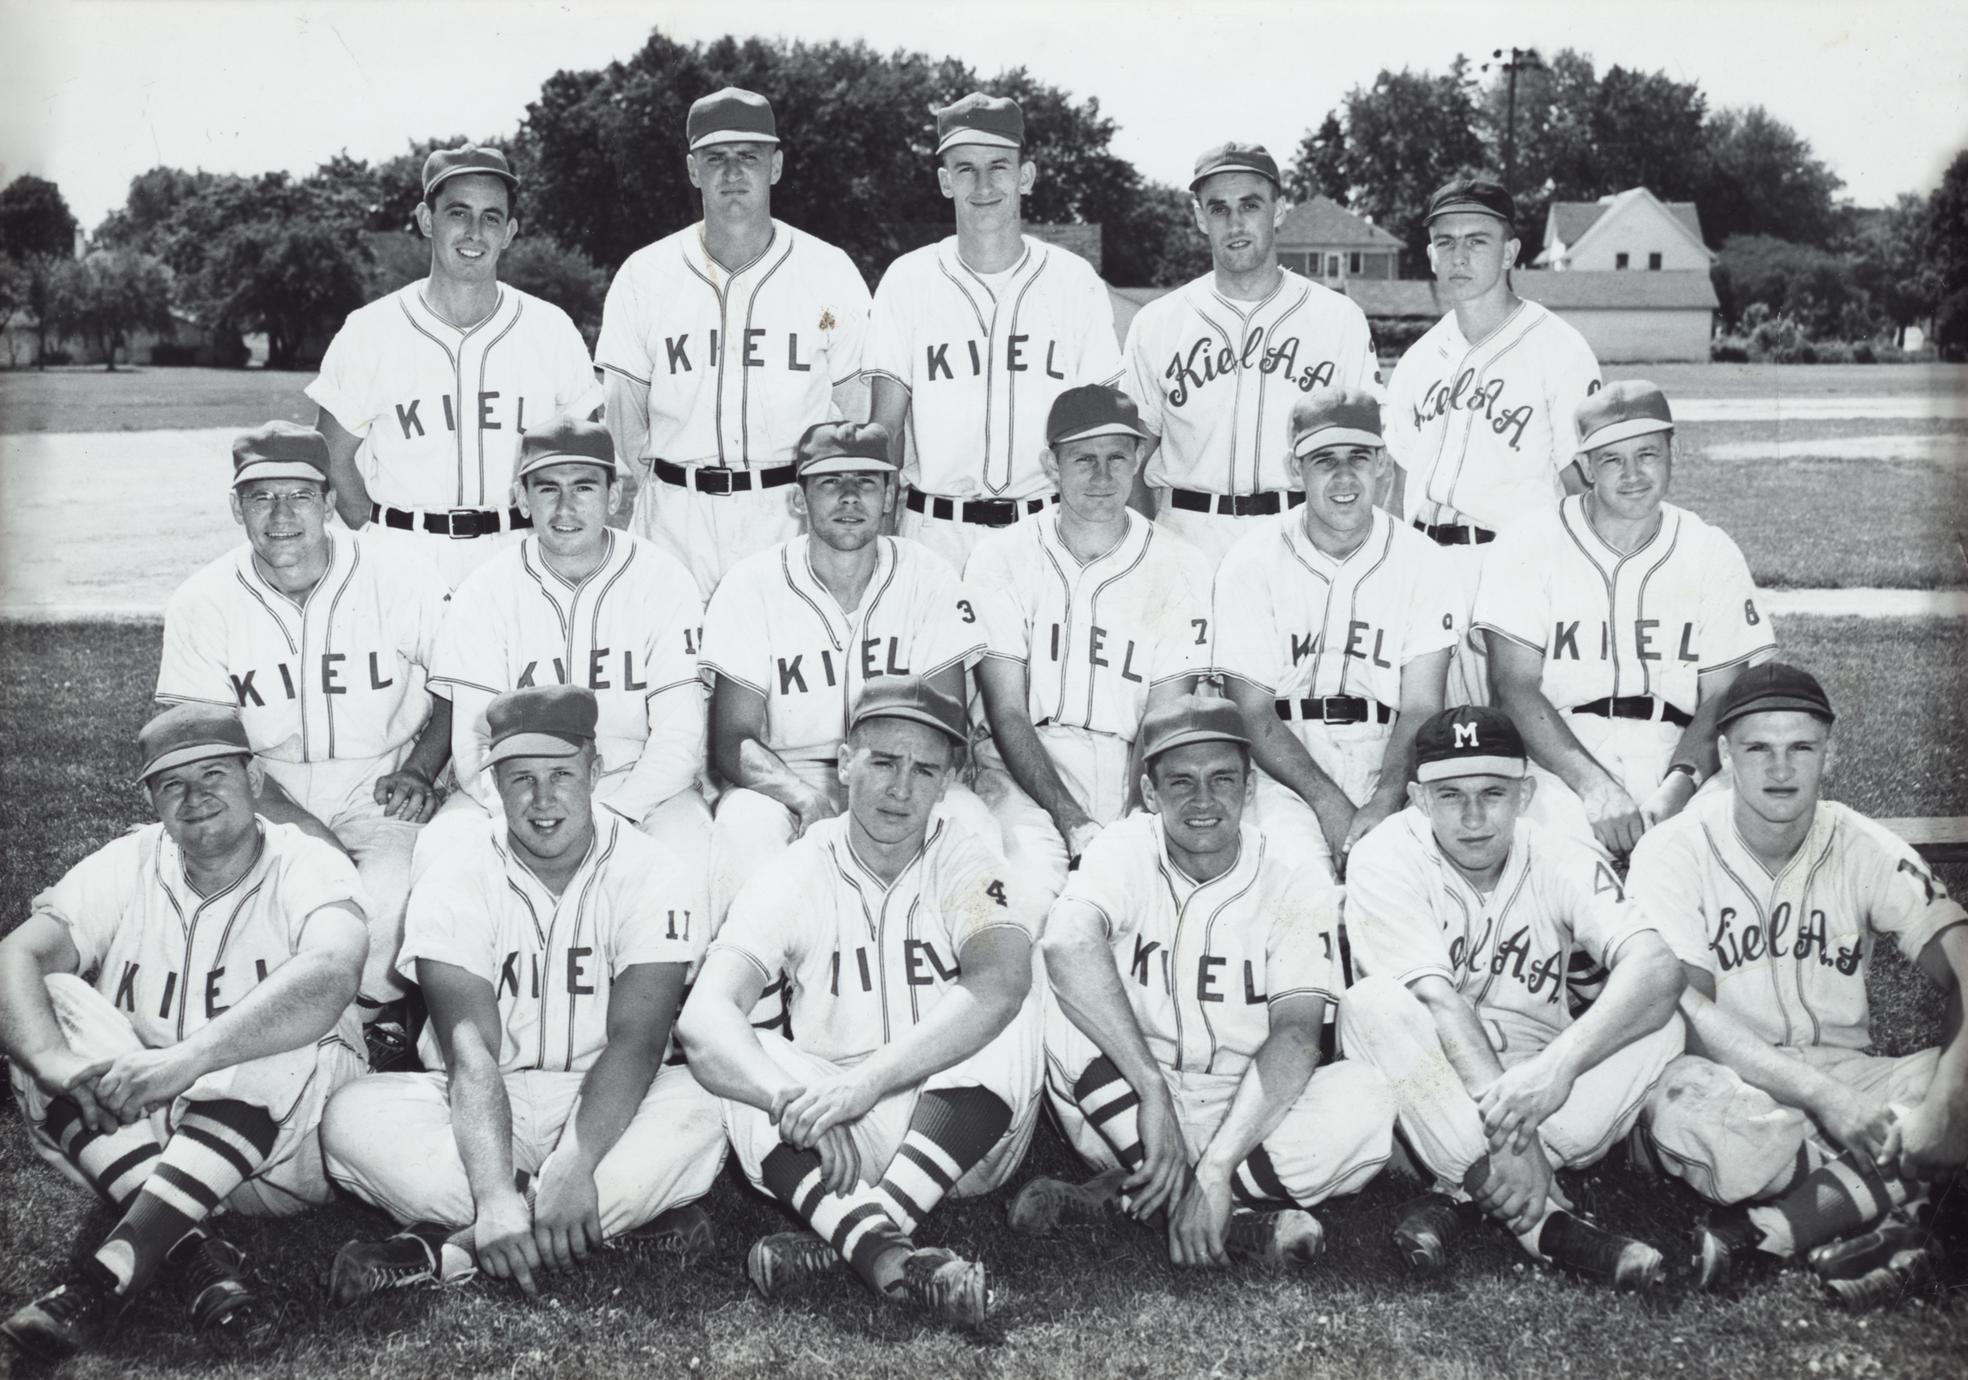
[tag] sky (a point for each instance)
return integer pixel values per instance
(93, 92)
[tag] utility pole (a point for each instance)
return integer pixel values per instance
(1520, 60)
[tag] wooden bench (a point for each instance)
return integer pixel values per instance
(1941, 839)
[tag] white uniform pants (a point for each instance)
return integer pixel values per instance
(1093, 766)
(1351, 755)
(1634, 752)
(450, 558)
(1213, 534)
(709, 533)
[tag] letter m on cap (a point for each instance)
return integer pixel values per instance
(1465, 736)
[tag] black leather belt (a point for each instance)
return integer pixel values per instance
(1234, 505)
(985, 512)
(1334, 709)
(1635, 707)
(459, 523)
(1455, 533)
(712, 479)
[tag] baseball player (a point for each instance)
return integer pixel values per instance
(974, 336)
(189, 1071)
(425, 394)
(1094, 615)
(1333, 629)
(555, 1126)
(1774, 899)
(320, 639)
(912, 1072)
(1191, 965)
(1217, 365)
(1479, 409)
(721, 343)
(1462, 916)
(1614, 624)
(794, 634)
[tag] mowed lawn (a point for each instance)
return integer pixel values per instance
(1098, 1300)
(143, 398)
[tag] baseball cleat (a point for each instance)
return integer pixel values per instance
(1722, 1243)
(1425, 1231)
(62, 1321)
(1892, 1261)
(1042, 1205)
(363, 1268)
(1275, 1240)
(942, 1282)
(788, 1259)
(1588, 1249)
(681, 1231)
(211, 1275)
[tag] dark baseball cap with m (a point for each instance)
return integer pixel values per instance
(1469, 740)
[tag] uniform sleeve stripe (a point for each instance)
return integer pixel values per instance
(616, 369)
(1509, 636)
(168, 697)
(720, 672)
(976, 649)
(459, 680)
(857, 374)
(993, 655)
(1742, 660)
(873, 374)
(673, 685)
(745, 954)
(1612, 955)
(1303, 992)
(1414, 975)
(1202, 670)
(1023, 929)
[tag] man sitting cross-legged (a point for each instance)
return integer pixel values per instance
(1192, 965)
(552, 947)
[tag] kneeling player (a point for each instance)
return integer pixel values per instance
(1184, 1059)
(913, 1068)
(1774, 899)
(192, 1073)
(552, 949)
(1462, 914)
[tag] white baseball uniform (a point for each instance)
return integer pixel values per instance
(1202, 963)
(552, 962)
(1094, 639)
(1411, 915)
(1789, 956)
(441, 411)
(1329, 639)
(983, 357)
(1201, 368)
(1611, 625)
(167, 961)
(856, 982)
(709, 370)
(332, 691)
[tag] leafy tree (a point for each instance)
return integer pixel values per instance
(35, 219)
(1946, 246)
(1647, 131)
(154, 198)
(1554, 158)
(38, 277)
(1319, 166)
(109, 295)
(1759, 178)
(1808, 285)
(296, 279)
(1404, 136)
(1887, 252)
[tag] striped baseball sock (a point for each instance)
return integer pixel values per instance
(1111, 1108)
(216, 1146)
(114, 1166)
(952, 1129)
(1841, 1196)
(856, 1223)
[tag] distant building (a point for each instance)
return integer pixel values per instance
(1329, 244)
(1629, 231)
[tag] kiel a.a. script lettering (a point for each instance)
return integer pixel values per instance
(1207, 362)
(1466, 395)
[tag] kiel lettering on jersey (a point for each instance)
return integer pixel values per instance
(411, 415)
(1207, 362)
(1021, 357)
(880, 656)
(1153, 966)
(922, 966)
(1734, 946)
(577, 977)
(601, 665)
(1358, 633)
(757, 351)
(127, 998)
(1649, 642)
(1466, 395)
(1493, 955)
(332, 678)
(1098, 653)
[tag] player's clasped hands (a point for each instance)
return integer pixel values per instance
(818, 1118)
(64, 1073)
(143, 1080)
(1616, 821)
(1517, 1103)
(1200, 1223)
(502, 1240)
(405, 794)
(1161, 1178)
(566, 1212)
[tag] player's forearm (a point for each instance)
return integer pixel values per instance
(433, 746)
(1279, 752)
(481, 1120)
(1026, 759)
(1088, 989)
(1639, 999)
(1464, 1043)
(671, 757)
(626, 413)
(757, 767)
(1277, 1075)
(888, 405)
(965, 1019)
(1697, 745)
(1548, 738)
(725, 1055)
(1716, 1035)
(297, 1004)
(610, 1094)
(344, 478)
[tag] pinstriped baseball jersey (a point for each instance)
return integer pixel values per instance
(865, 962)
(1411, 914)
(773, 628)
(1789, 952)
(441, 410)
(628, 632)
(1201, 962)
(172, 960)
(1216, 379)
(551, 961)
(1094, 638)
(1649, 622)
(984, 359)
(736, 365)
(1484, 430)
(339, 676)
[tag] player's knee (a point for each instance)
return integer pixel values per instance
(349, 1132)
(1373, 1005)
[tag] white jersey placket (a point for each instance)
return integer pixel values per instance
(1460, 421)
(728, 352)
(845, 627)
(467, 351)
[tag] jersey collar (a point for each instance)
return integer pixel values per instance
(341, 554)
(799, 570)
(1367, 551)
(420, 312)
(1250, 856)
(1125, 550)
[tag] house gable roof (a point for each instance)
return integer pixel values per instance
(1570, 222)
(1324, 222)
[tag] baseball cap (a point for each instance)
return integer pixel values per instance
(730, 115)
(1469, 740)
(280, 450)
(1235, 157)
(444, 164)
(1092, 409)
(911, 698)
(1631, 407)
(1190, 719)
(842, 448)
(1774, 686)
(981, 119)
(1478, 195)
(1335, 417)
(540, 721)
(190, 733)
(564, 440)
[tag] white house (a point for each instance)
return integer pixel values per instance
(1629, 231)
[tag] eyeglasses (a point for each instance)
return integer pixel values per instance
(264, 501)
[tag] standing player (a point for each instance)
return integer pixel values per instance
(721, 343)
(974, 336)
(425, 394)
(1774, 899)
(1479, 409)
(552, 947)
(1094, 615)
(793, 635)
(1218, 365)
(1333, 629)
(1462, 914)
(1614, 624)
(912, 1073)
(321, 640)
(192, 1070)
(1183, 1058)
